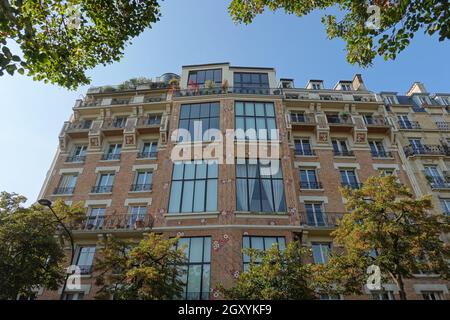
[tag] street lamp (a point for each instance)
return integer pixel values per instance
(48, 203)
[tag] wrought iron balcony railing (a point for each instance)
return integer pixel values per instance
(220, 90)
(302, 118)
(376, 121)
(409, 125)
(426, 149)
(149, 154)
(381, 154)
(310, 185)
(442, 125)
(115, 222)
(307, 152)
(101, 189)
(438, 182)
(141, 187)
(321, 219)
(76, 158)
(64, 190)
(352, 185)
(339, 120)
(343, 153)
(111, 156)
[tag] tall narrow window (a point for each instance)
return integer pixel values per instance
(194, 187)
(349, 178)
(255, 120)
(149, 150)
(78, 154)
(198, 118)
(321, 252)
(86, 259)
(308, 179)
(416, 144)
(259, 186)
(340, 148)
(105, 183)
(314, 214)
(96, 218)
(445, 204)
(113, 152)
(377, 149)
(136, 214)
(262, 244)
(153, 119)
(143, 181)
(303, 147)
(66, 184)
(197, 271)
(404, 121)
(246, 82)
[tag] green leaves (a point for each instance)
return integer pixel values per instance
(60, 41)
(363, 43)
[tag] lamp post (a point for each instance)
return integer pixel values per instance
(48, 203)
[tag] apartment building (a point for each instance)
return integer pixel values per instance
(116, 155)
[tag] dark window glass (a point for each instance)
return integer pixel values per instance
(201, 76)
(255, 121)
(260, 243)
(194, 117)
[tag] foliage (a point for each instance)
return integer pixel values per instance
(134, 82)
(279, 275)
(149, 270)
(31, 257)
(57, 41)
(365, 36)
(388, 227)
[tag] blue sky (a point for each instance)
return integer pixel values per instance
(193, 32)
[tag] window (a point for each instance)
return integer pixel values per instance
(258, 118)
(260, 243)
(340, 148)
(73, 296)
(87, 124)
(368, 119)
(308, 179)
(136, 213)
(382, 295)
(198, 269)
(445, 204)
(298, 117)
(201, 76)
(386, 172)
(259, 186)
(78, 154)
(377, 149)
(316, 86)
(303, 147)
(432, 295)
(95, 218)
(416, 144)
(349, 179)
(404, 121)
(321, 252)
(67, 184)
(119, 122)
(153, 119)
(113, 152)
(389, 100)
(346, 87)
(194, 187)
(423, 100)
(104, 183)
(142, 181)
(314, 214)
(149, 150)
(245, 82)
(435, 177)
(85, 259)
(198, 118)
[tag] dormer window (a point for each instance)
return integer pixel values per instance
(346, 87)
(315, 85)
(389, 99)
(423, 100)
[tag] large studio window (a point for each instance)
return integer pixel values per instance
(255, 121)
(261, 244)
(198, 118)
(201, 76)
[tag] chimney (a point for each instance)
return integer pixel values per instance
(358, 83)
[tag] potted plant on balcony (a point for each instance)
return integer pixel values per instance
(209, 86)
(139, 224)
(225, 86)
(345, 116)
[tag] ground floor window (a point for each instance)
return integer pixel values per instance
(260, 243)
(432, 295)
(383, 295)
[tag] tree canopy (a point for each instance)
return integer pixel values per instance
(58, 41)
(369, 28)
(31, 257)
(388, 227)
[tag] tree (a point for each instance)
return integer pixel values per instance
(60, 40)
(274, 275)
(388, 227)
(149, 270)
(31, 257)
(369, 28)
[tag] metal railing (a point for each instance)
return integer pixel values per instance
(101, 189)
(321, 220)
(115, 222)
(409, 125)
(220, 90)
(310, 185)
(111, 156)
(339, 120)
(150, 121)
(426, 149)
(299, 152)
(141, 187)
(376, 121)
(442, 125)
(352, 185)
(302, 118)
(343, 153)
(148, 154)
(438, 182)
(75, 158)
(381, 154)
(64, 190)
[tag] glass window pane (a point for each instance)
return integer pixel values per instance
(259, 109)
(270, 110)
(194, 279)
(196, 250)
(241, 195)
(214, 109)
(189, 170)
(204, 110)
(239, 109)
(211, 200)
(184, 113)
(200, 171)
(240, 123)
(212, 170)
(195, 111)
(188, 193)
(249, 109)
(178, 171)
(199, 196)
(269, 241)
(205, 282)
(218, 75)
(257, 243)
(207, 249)
(214, 123)
(175, 196)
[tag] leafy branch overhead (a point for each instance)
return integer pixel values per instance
(368, 31)
(57, 41)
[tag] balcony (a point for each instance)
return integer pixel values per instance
(220, 91)
(339, 120)
(111, 156)
(352, 185)
(436, 182)
(299, 152)
(381, 154)
(101, 189)
(115, 222)
(311, 185)
(302, 119)
(64, 190)
(78, 129)
(443, 126)
(426, 150)
(141, 187)
(375, 121)
(321, 220)
(343, 153)
(149, 124)
(76, 158)
(409, 125)
(147, 155)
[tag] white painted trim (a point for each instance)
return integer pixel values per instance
(104, 169)
(153, 167)
(304, 199)
(418, 288)
(138, 200)
(70, 170)
(378, 166)
(105, 202)
(299, 164)
(338, 165)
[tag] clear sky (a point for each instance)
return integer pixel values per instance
(194, 32)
